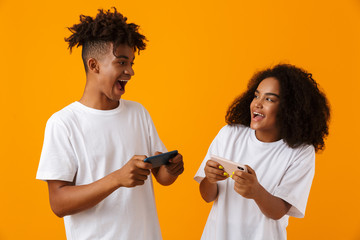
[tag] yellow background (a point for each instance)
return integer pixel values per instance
(199, 58)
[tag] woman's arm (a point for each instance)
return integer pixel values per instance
(247, 185)
(213, 173)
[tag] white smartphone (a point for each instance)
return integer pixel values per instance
(229, 166)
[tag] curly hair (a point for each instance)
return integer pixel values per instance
(95, 34)
(304, 111)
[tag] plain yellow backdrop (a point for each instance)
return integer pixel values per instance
(199, 58)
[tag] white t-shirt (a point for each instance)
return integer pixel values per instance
(283, 171)
(86, 144)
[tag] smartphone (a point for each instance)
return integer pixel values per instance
(229, 166)
(161, 159)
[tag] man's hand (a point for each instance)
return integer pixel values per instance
(175, 166)
(134, 172)
(167, 174)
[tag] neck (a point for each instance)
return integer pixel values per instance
(267, 136)
(91, 98)
(100, 105)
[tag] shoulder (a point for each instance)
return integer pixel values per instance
(302, 156)
(132, 105)
(135, 109)
(233, 133)
(64, 114)
(234, 130)
(305, 152)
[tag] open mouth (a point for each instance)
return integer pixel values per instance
(257, 115)
(122, 84)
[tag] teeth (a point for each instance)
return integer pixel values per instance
(123, 80)
(256, 113)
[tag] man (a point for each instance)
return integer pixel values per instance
(93, 152)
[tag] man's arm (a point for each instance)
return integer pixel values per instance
(67, 199)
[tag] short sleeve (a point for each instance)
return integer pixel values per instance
(57, 161)
(155, 142)
(214, 149)
(295, 185)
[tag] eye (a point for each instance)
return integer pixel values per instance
(122, 63)
(256, 96)
(270, 100)
(132, 63)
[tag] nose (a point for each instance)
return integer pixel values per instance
(129, 71)
(258, 103)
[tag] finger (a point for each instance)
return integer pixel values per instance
(241, 174)
(143, 165)
(158, 153)
(212, 164)
(238, 179)
(215, 171)
(214, 177)
(143, 172)
(139, 157)
(174, 166)
(176, 159)
(250, 170)
(177, 172)
(139, 182)
(140, 177)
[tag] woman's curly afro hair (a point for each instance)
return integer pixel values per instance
(94, 34)
(304, 111)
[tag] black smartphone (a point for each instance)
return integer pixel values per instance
(161, 159)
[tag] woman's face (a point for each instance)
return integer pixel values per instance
(264, 109)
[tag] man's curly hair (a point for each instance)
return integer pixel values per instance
(304, 111)
(95, 34)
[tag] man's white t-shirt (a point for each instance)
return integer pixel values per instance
(83, 144)
(283, 171)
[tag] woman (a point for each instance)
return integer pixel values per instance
(274, 128)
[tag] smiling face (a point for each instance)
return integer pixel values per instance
(107, 77)
(115, 72)
(264, 109)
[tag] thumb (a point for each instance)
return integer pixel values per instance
(250, 170)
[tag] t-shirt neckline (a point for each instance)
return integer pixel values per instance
(100, 112)
(263, 144)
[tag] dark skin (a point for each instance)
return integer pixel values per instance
(266, 101)
(247, 185)
(103, 92)
(66, 198)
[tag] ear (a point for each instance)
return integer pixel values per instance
(93, 65)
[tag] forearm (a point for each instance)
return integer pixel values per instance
(71, 199)
(208, 190)
(271, 206)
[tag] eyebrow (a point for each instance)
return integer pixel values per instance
(271, 94)
(123, 56)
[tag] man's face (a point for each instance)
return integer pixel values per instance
(115, 72)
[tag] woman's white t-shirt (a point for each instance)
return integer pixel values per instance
(83, 144)
(283, 171)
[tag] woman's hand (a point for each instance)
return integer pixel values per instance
(214, 172)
